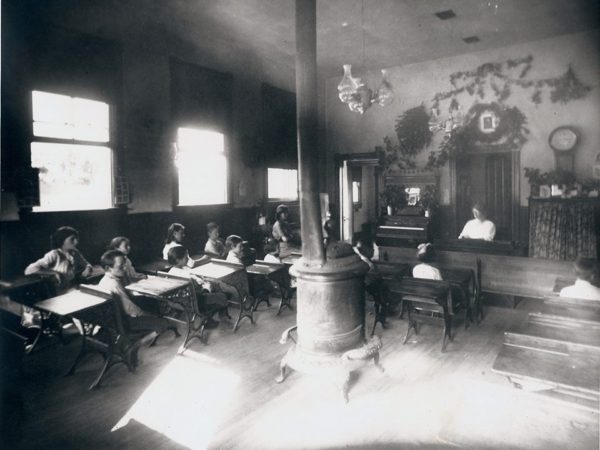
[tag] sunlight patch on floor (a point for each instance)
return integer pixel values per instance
(450, 412)
(187, 401)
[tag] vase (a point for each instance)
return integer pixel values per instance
(534, 190)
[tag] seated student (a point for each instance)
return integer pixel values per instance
(479, 227)
(271, 248)
(234, 246)
(330, 230)
(175, 235)
(373, 282)
(426, 254)
(122, 244)
(214, 246)
(113, 263)
(586, 270)
(178, 257)
(282, 231)
(64, 260)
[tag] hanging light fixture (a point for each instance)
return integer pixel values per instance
(353, 90)
(452, 122)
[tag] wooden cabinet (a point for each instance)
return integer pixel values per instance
(563, 228)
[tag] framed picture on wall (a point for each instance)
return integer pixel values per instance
(488, 121)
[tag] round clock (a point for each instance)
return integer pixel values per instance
(563, 139)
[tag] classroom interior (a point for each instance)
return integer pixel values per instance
(122, 118)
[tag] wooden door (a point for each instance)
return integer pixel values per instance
(498, 193)
(487, 178)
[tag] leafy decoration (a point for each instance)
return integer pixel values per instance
(501, 77)
(394, 195)
(413, 131)
(511, 132)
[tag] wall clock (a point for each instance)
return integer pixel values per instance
(563, 140)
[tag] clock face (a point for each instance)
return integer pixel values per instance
(563, 139)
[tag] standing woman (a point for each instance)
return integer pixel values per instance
(64, 260)
(282, 232)
(479, 227)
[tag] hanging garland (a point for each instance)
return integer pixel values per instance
(502, 76)
(412, 127)
(511, 132)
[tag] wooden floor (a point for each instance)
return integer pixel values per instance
(223, 396)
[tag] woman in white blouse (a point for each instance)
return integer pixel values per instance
(426, 255)
(479, 227)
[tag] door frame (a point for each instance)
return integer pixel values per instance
(344, 163)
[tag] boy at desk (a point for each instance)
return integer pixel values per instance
(586, 271)
(113, 262)
(214, 246)
(178, 257)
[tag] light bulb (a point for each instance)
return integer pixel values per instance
(348, 85)
(385, 94)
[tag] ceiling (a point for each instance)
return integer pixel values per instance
(394, 32)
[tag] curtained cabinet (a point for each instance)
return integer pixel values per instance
(563, 228)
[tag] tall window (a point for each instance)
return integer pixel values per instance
(282, 184)
(201, 167)
(71, 150)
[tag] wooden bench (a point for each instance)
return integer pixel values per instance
(557, 352)
(512, 276)
(426, 297)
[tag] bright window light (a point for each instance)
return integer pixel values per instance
(73, 177)
(75, 172)
(356, 192)
(63, 117)
(201, 167)
(282, 184)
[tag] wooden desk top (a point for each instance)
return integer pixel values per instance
(153, 267)
(460, 276)
(72, 302)
(157, 286)
(390, 271)
(265, 268)
(432, 289)
(217, 269)
(22, 283)
(292, 258)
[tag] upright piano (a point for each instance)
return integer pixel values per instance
(408, 228)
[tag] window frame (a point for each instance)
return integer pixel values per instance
(110, 144)
(281, 199)
(175, 170)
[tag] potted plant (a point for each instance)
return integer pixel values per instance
(394, 197)
(428, 199)
(536, 179)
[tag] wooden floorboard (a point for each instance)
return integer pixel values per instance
(222, 395)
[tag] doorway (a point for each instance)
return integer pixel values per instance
(490, 178)
(358, 192)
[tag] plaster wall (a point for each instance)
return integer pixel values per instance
(415, 84)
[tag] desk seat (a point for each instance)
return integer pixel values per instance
(568, 376)
(427, 297)
(115, 340)
(562, 337)
(557, 352)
